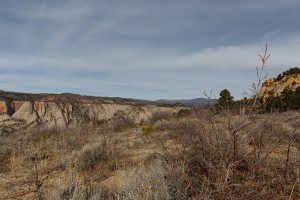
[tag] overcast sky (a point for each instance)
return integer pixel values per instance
(146, 49)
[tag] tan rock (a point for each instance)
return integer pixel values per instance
(277, 87)
(16, 105)
(26, 112)
(4, 117)
(53, 112)
(3, 107)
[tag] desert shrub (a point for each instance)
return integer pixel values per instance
(145, 182)
(177, 127)
(213, 163)
(121, 120)
(98, 122)
(61, 163)
(70, 187)
(160, 115)
(91, 154)
(17, 162)
(35, 166)
(183, 112)
(294, 70)
(147, 129)
(288, 100)
(103, 193)
(163, 125)
(30, 156)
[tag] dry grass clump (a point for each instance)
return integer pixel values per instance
(34, 156)
(91, 154)
(175, 127)
(33, 167)
(142, 182)
(71, 186)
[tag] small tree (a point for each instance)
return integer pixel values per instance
(226, 100)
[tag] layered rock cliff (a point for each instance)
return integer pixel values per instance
(275, 86)
(19, 110)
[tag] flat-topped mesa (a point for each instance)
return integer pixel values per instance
(20, 110)
(275, 86)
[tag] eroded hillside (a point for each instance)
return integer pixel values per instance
(18, 110)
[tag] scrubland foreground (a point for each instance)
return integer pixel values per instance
(195, 154)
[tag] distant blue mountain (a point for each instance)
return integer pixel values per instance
(188, 102)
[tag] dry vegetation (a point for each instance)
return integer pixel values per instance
(201, 155)
(197, 154)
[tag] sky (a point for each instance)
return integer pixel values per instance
(145, 49)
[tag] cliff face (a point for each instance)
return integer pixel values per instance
(69, 110)
(277, 86)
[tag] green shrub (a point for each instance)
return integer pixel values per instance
(147, 129)
(294, 70)
(98, 122)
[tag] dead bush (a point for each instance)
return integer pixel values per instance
(70, 187)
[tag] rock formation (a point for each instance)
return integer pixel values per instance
(275, 87)
(19, 110)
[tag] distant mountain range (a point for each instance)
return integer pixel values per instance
(69, 97)
(188, 102)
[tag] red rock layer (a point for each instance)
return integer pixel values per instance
(37, 106)
(3, 107)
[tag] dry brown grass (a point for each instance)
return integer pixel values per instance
(221, 165)
(187, 157)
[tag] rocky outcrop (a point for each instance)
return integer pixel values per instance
(275, 87)
(71, 110)
(3, 107)
(26, 113)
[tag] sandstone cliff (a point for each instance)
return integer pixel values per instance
(275, 86)
(19, 110)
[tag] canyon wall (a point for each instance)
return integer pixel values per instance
(66, 112)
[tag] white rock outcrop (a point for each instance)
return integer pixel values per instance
(64, 114)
